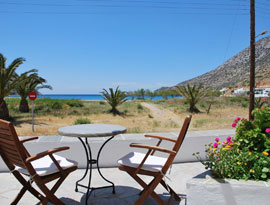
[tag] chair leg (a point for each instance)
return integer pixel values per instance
(50, 196)
(26, 187)
(145, 186)
(170, 190)
(58, 183)
(149, 190)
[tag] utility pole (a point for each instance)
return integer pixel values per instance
(252, 58)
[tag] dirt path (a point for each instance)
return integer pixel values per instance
(162, 114)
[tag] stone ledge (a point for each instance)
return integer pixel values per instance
(206, 190)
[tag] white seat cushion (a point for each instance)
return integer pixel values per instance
(45, 166)
(152, 163)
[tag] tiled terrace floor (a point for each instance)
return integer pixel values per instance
(126, 188)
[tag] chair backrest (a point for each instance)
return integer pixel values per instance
(12, 150)
(178, 143)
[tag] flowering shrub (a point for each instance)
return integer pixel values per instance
(259, 102)
(245, 156)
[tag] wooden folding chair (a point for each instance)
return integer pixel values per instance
(40, 168)
(136, 163)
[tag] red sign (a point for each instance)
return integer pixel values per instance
(32, 96)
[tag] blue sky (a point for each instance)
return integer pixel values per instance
(83, 46)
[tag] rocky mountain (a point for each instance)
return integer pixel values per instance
(235, 71)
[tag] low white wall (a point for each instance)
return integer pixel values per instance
(119, 146)
(205, 190)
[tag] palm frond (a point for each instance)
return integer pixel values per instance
(193, 94)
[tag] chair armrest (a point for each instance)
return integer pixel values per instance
(153, 148)
(161, 138)
(43, 154)
(28, 139)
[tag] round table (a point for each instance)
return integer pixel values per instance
(87, 131)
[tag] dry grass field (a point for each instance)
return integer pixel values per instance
(138, 116)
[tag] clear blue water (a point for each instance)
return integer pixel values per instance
(88, 97)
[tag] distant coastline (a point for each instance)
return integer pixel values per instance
(93, 97)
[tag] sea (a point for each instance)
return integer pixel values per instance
(89, 96)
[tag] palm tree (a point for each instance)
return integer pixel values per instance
(7, 82)
(192, 95)
(28, 83)
(114, 98)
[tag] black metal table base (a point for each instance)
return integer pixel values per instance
(89, 166)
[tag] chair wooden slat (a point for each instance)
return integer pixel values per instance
(4, 126)
(5, 135)
(6, 142)
(12, 155)
(17, 162)
(4, 131)
(7, 149)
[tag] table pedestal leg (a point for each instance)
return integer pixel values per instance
(89, 164)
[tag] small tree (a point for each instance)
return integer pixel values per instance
(141, 93)
(150, 93)
(114, 98)
(164, 94)
(192, 95)
(7, 83)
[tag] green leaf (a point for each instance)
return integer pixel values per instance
(265, 169)
(264, 176)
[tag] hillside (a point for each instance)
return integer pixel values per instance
(235, 71)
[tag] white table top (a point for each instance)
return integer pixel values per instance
(91, 130)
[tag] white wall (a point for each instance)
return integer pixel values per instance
(119, 146)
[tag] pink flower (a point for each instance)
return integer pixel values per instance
(267, 130)
(231, 142)
(237, 119)
(218, 159)
(234, 124)
(243, 119)
(229, 139)
(263, 99)
(215, 145)
(217, 139)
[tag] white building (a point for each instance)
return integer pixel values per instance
(262, 92)
(240, 91)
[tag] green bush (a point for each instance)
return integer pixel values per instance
(56, 105)
(82, 121)
(259, 102)
(139, 107)
(246, 156)
(74, 103)
(238, 99)
(244, 104)
(202, 105)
